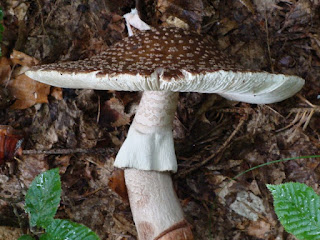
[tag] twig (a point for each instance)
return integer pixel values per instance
(99, 109)
(69, 151)
(10, 75)
(248, 4)
(306, 101)
(86, 195)
(184, 173)
(302, 115)
(54, 8)
(268, 41)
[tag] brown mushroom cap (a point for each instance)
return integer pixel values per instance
(168, 59)
(172, 49)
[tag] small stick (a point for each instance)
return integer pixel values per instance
(69, 151)
(184, 173)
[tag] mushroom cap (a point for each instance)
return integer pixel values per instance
(168, 59)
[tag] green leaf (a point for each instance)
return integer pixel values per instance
(63, 229)
(298, 209)
(46, 236)
(43, 198)
(26, 237)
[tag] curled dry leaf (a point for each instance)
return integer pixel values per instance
(23, 59)
(56, 92)
(62, 162)
(113, 113)
(183, 14)
(26, 91)
(10, 143)
(116, 24)
(117, 184)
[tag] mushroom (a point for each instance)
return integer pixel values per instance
(162, 62)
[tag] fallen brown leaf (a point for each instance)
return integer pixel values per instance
(10, 143)
(62, 162)
(23, 59)
(31, 166)
(56, 92)
(28, 92)
(113, 113)
(117, 184)
(259, 229)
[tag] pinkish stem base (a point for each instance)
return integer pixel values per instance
(155, 207)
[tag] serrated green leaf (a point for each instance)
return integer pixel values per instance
(26, 237)
(43, 198)
(63, 229)
(298, 209)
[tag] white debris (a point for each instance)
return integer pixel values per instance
(248, 205)
(133, 19)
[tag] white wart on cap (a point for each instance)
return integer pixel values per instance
(168, 59)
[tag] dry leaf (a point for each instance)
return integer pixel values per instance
(5, 69)
(248, 4)
(226, 25)
(10, 143)
(183, 14)
(118, 185)
(259, 229)
(23, 59)
(30, 166)
(28, 92)
(122, 223)
(113, 113)
(56, 92)
(248, 205)
(63, 162)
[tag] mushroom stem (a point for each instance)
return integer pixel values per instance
(148, 154)
(149, 144)
(155, 207)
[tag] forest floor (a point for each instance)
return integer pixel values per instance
(215, 139)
